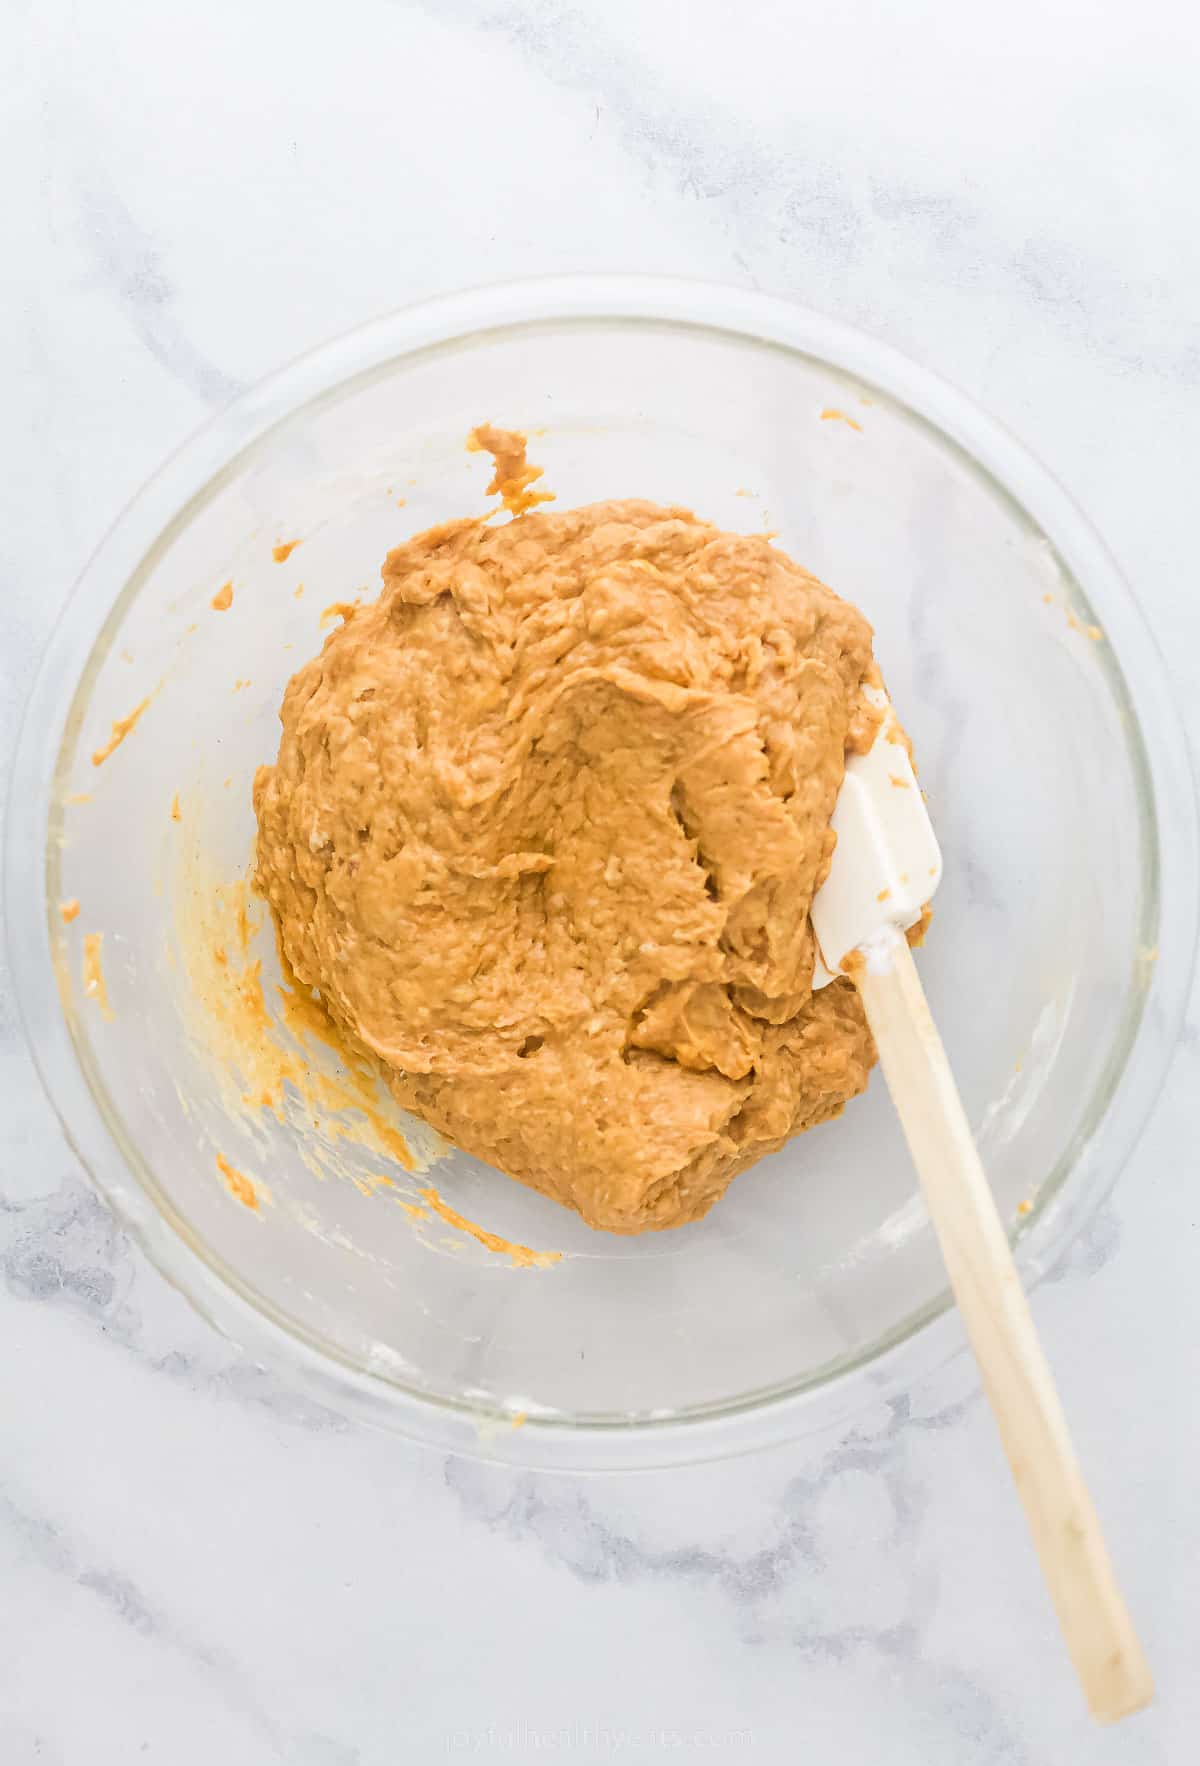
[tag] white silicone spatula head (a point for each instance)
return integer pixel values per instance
(887, 862)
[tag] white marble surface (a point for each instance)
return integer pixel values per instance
(194, 1564)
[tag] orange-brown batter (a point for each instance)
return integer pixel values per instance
(544, 828)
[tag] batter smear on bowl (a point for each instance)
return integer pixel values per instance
(544, 829)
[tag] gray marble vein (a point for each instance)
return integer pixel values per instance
(119, 1599)
(130, 266)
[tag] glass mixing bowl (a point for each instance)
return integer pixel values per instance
(1057, 964)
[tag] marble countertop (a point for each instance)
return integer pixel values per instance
(196, 1565)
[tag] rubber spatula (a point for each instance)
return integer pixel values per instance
(885, 868)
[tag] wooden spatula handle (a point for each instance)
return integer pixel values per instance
(1099, 1633)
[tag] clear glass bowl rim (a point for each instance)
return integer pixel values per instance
(1158, 746)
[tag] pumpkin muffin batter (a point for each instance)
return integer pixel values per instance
(544, 829)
